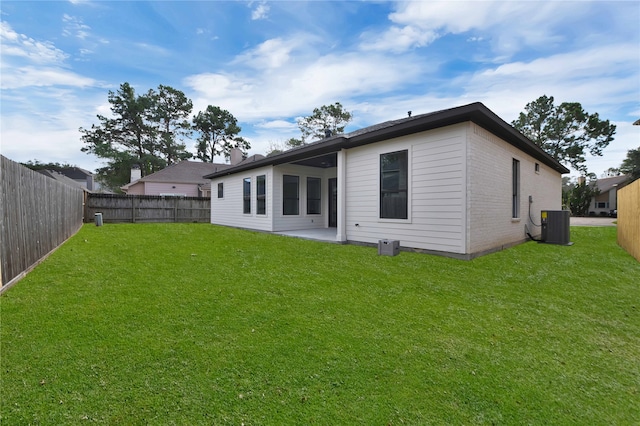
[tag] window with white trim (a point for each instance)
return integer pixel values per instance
(394, 180)
(290, 195)
(313, 195)
(261, 194)
(246, 195)
(515, 188)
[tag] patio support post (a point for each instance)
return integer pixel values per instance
(341, 232)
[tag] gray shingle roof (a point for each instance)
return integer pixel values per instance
(183, 172)
(475, 112)
(605, 184)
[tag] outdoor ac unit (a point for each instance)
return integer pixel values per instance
(555, 227)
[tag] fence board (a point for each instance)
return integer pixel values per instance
(37, 214)
(629, 218)
(147, 208)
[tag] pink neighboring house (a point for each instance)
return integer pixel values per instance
(183, 179)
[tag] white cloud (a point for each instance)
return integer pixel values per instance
(27, 62)
(260, 12)
(569, 77)
(20, 46)
(399, 39)
(272, 53)
(508, 24)
(154, 49)
(14, 78)
(302, 86)
(74, 27)
(277, 124)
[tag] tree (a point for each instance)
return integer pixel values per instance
(331, 118)
(37, 165)
(566, 132)
(218, 133)
(143, 130)
(631, 164)
(579, 197)
(612, 171)
(170, 110)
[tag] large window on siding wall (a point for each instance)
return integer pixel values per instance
(246, 195)
(261, 194)
(313, 195)
(290, 195)
(394, 171)
(515, 193)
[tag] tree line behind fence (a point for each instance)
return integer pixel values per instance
(37, 214)
(147, 208)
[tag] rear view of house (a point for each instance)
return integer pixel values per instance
(459, 182)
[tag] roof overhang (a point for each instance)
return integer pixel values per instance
(475, 112)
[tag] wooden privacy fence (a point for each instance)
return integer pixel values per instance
(629, 218)
(147, 208)
(37, 214)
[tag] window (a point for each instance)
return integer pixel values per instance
(515, 196)
(313, 195)
(246, 193)
(393, 185)
(261, 194)
(290, 195)
(602, 205)
(220, 190)
(537, 168)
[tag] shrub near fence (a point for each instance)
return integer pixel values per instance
(147, 208)
(37, 214)
(629, 219)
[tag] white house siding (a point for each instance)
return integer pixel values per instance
(437, 210)
(489, 191)
(228, 210)
(302, 220)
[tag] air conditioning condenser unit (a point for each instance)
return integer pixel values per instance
(555, 227)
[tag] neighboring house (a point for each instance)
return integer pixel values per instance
(606, 201)
(80, 177)
(460, 182)
(84, 177)
(60, 177)
(183, 179)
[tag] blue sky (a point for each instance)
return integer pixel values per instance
(269, 63)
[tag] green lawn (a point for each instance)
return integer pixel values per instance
(197, 324)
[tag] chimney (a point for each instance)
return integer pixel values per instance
(136, 173)
(582, 180)
(236, 156)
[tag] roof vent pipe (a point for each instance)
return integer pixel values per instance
(409, 113)
(327, 133)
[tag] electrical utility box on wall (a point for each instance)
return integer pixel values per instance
(555, 227)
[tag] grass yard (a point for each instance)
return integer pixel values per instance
(196, 324)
